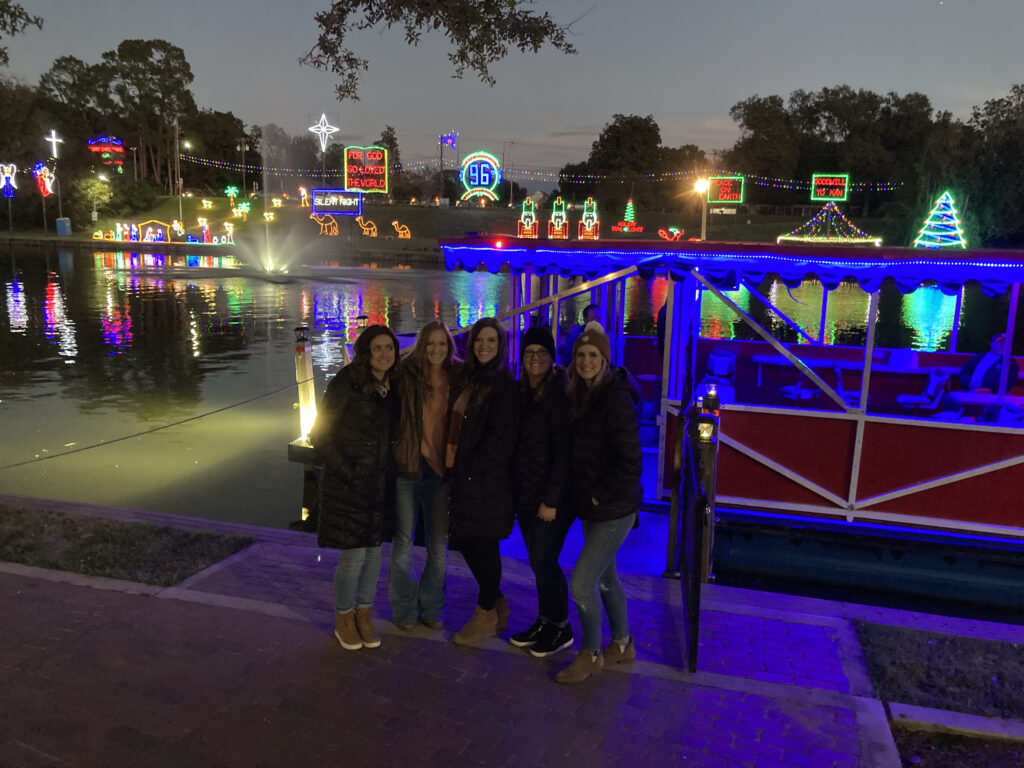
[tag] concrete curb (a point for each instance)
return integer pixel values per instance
(927, 718)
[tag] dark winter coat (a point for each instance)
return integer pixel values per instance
(605, 457)
(481, 501)
(542, 450)
(352, 438)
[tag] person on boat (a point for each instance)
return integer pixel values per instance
(481, 441)
(352, 438)
(426, 385)
(591, 314)
(985, 369)
(542, 475)
(605, 467)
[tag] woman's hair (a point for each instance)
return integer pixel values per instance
(362, 376)
(473, 369)
(418, 355)
(579, 393)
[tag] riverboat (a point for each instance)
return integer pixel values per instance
(809, 431)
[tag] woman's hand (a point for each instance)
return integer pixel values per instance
(546, 513)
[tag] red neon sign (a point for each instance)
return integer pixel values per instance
(366, 169)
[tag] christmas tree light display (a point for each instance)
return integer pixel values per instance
(628, 223)
(942, 227)
(829, 225)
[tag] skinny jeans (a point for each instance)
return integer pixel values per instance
(544, 541)
(355, 580)
(595, 580)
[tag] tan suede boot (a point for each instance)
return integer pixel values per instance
(616, 654)
(583, 666)
(502, 609)
(365, 628)
(483, 625)
(345, 631)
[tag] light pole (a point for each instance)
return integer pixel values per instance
(102, 178)
(177, 167)
(135, 165)
(242, 146)
(511, 143)
(702, 188)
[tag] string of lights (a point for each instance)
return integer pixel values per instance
(554, 177)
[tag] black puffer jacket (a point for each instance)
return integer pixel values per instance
(542, 450)
(481, 492)
(605, 454)
(352, 438)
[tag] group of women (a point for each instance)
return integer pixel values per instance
(475, 449)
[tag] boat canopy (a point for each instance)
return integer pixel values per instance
(727, 265)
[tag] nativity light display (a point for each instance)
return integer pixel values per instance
(829, 225)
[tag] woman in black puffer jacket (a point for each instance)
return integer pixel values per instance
(606, 493)
(542, 485)
(481, 440)
(352, 438)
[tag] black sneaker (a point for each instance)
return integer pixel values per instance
(552, 639)
(529, 637)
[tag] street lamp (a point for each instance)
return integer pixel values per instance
(102, 178)
(243, 146)
(177, 167)
(702, 187)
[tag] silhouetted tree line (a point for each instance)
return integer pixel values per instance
(874, 138)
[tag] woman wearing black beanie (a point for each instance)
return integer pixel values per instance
(542, 475)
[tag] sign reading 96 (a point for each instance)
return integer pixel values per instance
(480, 175)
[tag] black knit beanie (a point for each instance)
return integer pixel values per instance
(537, 335)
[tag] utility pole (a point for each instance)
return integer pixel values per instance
(440, 169)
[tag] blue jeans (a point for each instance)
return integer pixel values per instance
(355, 580)
(544, 542)
(411, 600)
(596, 580)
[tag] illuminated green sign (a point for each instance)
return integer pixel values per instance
(830, 187)
(725, 189)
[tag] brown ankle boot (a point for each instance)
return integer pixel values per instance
(365, 628)
(583, 666)
(345, 631)
(483, 625)
(502, 609)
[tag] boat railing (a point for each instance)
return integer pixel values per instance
(607, 291)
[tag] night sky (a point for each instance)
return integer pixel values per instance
(685, 62)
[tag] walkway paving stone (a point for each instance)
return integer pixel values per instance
(238, 666)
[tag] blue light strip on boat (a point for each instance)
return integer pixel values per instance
(920, 534)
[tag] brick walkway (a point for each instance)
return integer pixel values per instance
(237, 666)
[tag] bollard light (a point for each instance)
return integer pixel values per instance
(304, 379)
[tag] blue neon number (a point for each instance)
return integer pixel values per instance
(474, 174)
(485, 175)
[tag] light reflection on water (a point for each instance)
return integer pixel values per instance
(96, 347)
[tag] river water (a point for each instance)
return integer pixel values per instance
(169, 384)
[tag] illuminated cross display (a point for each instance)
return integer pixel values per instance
(323, 131)
(53, 139)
